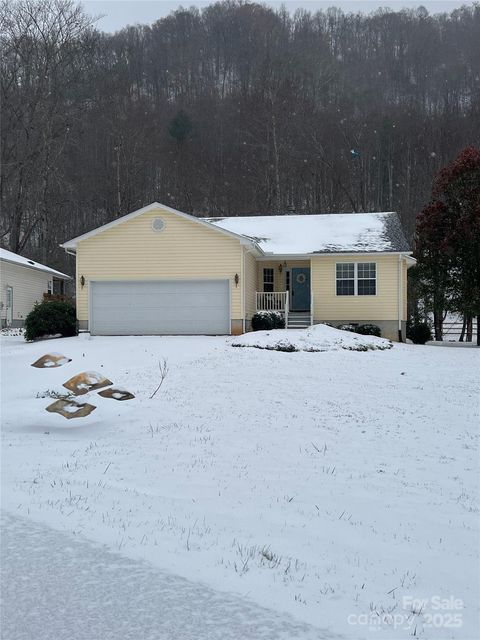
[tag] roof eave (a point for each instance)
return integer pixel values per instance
(300, 256)
(52, 272)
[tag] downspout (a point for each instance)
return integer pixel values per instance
(399, 297)
(70, 252)
(242, 280)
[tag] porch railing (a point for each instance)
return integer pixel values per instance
(273, 301)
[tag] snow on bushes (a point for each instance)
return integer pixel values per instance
(369, 330)
(362, 329)
(50, 318)
(264, 320)
(319, 337)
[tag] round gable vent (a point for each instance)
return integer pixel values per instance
(158, 224)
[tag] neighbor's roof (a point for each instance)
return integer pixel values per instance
(14, 258)
(325, 233)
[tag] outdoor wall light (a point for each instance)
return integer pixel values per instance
(82, 281)
(280, 268)
(237, 279)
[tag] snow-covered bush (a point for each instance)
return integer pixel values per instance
(265, 320)
(49, 318)
(369, 330)
(347, 327)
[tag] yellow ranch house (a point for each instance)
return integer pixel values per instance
(160, 271)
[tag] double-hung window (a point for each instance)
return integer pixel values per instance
(346, 279)
(356, 278)
(366, 279)
(268, 280)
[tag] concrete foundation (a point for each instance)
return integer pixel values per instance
(237, 327)
(389, 328)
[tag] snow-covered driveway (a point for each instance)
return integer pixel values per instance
(67, 589)
(333, 486)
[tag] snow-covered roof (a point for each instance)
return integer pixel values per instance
(325, 233)
(14, 258)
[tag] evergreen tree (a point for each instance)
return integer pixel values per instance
(448, 240)
(434, 268)
(180, 127)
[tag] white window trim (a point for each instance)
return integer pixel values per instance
(272, 269)
(355, 280)
(288, 275)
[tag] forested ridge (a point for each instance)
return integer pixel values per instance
(233, 110)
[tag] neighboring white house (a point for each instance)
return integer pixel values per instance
(22, 283)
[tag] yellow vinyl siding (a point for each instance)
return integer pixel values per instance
(329, 306)
(183, 250)
(279, 278)
(405, 289)
(250, 283)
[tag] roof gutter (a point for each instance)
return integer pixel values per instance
(303, 256)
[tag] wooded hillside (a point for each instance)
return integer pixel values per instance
(237, 109)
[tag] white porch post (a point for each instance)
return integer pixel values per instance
(286, 310)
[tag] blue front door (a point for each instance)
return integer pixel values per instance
(300, 289)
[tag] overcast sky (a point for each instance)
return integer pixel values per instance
(119, 13)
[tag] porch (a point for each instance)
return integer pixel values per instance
(287, 290)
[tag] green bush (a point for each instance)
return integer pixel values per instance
(265, 320)
(49, 318)
(419, 332)
(369, 330)
(278, 320)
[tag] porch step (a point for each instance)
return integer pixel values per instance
(298, 320)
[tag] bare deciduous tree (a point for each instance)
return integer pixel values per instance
(311, 113)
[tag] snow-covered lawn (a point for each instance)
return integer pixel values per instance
(337, 486)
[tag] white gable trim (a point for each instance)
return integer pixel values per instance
(72, 244)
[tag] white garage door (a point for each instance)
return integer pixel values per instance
(159, 307)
